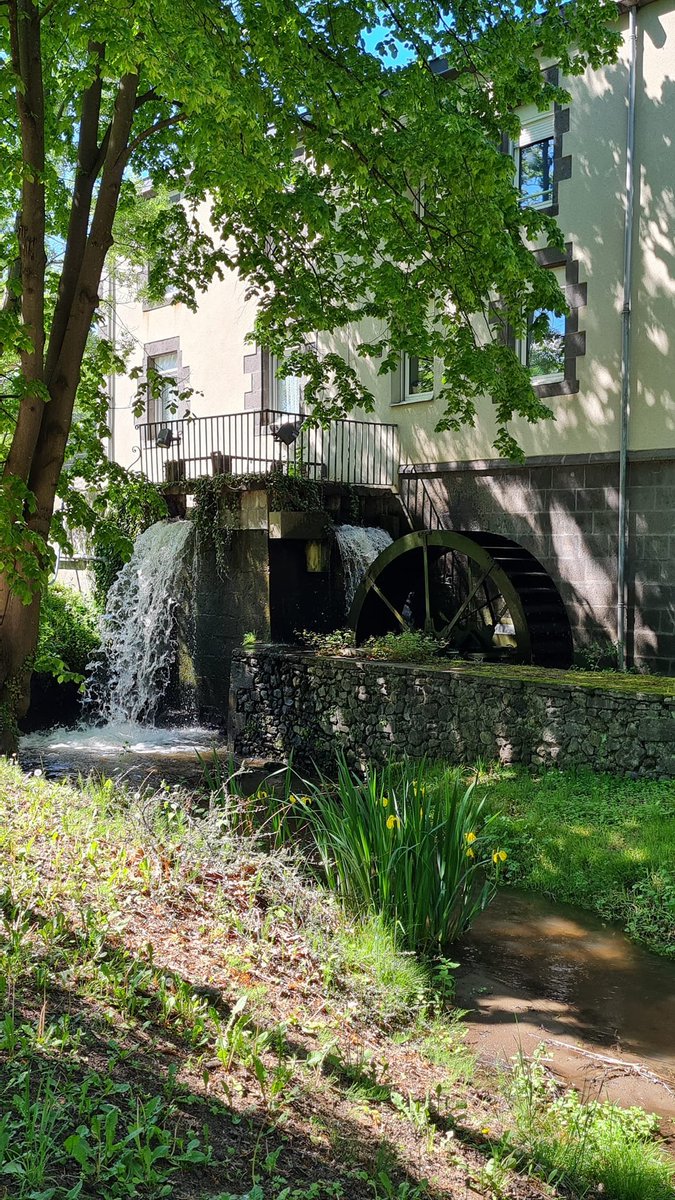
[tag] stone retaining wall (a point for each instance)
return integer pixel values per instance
(283, 700)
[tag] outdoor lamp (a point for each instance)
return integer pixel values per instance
(287, 432)
(164, 437)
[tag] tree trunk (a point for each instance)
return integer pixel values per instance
(41, 435)
(18, 639)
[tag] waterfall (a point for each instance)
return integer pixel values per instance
(139, 626)
(359, 546)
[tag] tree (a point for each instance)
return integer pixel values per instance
(350, 183)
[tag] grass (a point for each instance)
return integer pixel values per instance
(188, 1014)
(588, 1148)
(603, 843)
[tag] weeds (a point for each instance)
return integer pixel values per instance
(585, 1146)
(68, 1132)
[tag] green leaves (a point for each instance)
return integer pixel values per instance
(360, 192)
(406, 845)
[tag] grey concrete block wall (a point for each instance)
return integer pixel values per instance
(286, 701)
(566, 514)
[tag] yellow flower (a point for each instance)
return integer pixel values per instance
(470, 853)
(305, 799)
(499, 856)
(292, 799)
(385, 801)
(470, 837)
(393, 821)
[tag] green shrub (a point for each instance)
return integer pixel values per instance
(585, 1148)
(408, 646)
(327, 644)
(420, 855)
(69, 635)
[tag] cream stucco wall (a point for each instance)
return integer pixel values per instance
(591, 214)
(212, 345)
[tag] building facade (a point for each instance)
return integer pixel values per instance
(604, 466)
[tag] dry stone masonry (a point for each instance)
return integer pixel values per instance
(284, 700)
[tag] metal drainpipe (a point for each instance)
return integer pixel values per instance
(621, 604)
(112, 338)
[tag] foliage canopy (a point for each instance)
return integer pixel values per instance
(351, 182)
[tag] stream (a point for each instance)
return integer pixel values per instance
(536, 971)
(134, 754)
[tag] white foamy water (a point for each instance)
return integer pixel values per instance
(359, 547)
(124, 750)
(138, 643)
(123, 737)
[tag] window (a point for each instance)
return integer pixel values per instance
(163, 395)
(417, 382)
(535, 155)
(545, 347)
(287, 392)
(542, 351)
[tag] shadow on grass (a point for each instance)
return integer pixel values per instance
(305, 1137)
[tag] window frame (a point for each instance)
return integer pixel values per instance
(170, 397)
(405, 396)
(523, 343)
(537, 130)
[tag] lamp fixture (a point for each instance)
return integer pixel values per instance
(286, 432)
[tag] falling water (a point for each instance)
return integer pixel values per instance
(359, 546)
(138, 641)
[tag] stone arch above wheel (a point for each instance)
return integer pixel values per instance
(479, 592)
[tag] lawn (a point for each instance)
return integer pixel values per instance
(604, 843)
(188, 1013)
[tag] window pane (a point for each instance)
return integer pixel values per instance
(420, 375)
(167, 399)
(546, 344)
(289, 394)
(165, 364)
(536, 172)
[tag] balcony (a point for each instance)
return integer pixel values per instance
(257, 442)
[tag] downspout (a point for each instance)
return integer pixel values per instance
(621, 599)
(112, 338)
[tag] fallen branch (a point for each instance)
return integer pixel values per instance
(607, 1060)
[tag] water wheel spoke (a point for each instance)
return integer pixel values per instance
(465, 604)
(378, 592)
(428, 623)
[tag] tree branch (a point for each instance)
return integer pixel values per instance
(143, 136)
(89, 163)
(24, 24)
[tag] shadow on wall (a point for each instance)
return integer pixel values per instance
(566, 512)
(567, 518)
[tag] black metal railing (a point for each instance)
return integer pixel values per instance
(417, 500)
(243, 443)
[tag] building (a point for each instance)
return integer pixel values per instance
(606, 463)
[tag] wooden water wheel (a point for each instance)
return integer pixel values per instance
(478, 593)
